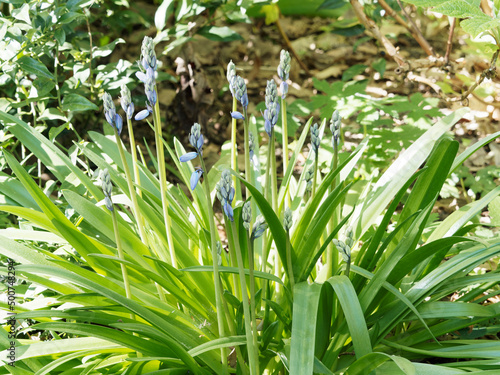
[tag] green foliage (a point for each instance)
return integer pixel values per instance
(476, 22)
(136, 280)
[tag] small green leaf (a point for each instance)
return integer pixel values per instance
(379, 66)
(52, 114)
(22, 14)
(60, 36)
(162, 14)
(353, 71)
(30, 65)
(77, 103)
(69, 17)
(219, 34)
(56, 130)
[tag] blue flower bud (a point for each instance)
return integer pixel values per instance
(141, 76)
(251, 145)
(108, 203)
(149, 86)
(246, 215)
(315, 138)
(284, 89)
(239, 90)
(118, 123)
(142, 114)
(228, 210)
(343, 249)
(148, 55)
(126, 101)
(237, 115)
(225, 193)
(189, 156)
(284, 66)
(109, 109)
(231, 73)
(335, 124)
(259, 227)
(196, 138)
(195, 177)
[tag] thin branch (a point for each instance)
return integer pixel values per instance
(372, 29)
(487, 73)
(420, 38)
(450, 40)
(410, 27)
(429, 62)
(289, 46)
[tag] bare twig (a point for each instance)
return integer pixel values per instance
(450, 40)
(372, 29)
(289, 46)
(410, 27)
(420, 38)
(487, 73)
(430, 62)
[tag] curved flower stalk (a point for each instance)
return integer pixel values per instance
(117, 124)
(271, 118)
(196, 140)
(344, 248)
(225, 194)
(239, 90)
(332, 255)
(315, 143)
(283, 73)
(148, 63)
(107, 188)
(287, 224)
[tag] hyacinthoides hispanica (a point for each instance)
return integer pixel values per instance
(332, 255)
(148, 62)
(196, 140)
(107, 188)
(225, 193)
(128, 107)
(116, 123)
(239, 92)
(283, 73)
(231, 74)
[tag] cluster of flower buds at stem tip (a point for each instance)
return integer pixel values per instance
(315, 138)
(272, 107)
(225, 193)
(283, 72)
(231, 73)
(196, 140)
(335, 128)
(113, 118)
(344, 247)
(259, 227)
(309, 179)
(288, 219)
(239, 90)
(126, 101)
(246, 215)
(107, 187)
(149, 64)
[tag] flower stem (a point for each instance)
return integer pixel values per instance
(126, 282)
(251, 266)
(315, 176)
(215, 261)
(234, 151)
(160, 155)
(253, 358)
(133, 196)
(289, 261)
(332, 253)
(248, 168)
(133, 152)
(285, 135)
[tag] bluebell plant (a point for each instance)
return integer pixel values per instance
(315, 143)
(196, 140)
(126, 101)
(283, 73)
(271, 113)
(113, 118)
(225, 193)
(107, 187)
(335, 123)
